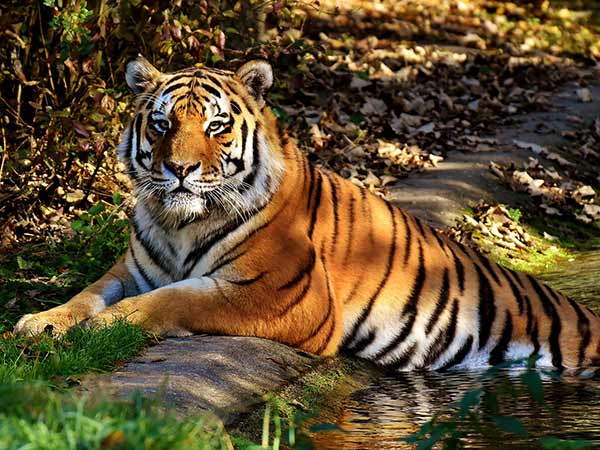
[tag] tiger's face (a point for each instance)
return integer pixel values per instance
(195, 142)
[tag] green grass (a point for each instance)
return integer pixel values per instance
(32, 417)
(37, 412)
(59, 361)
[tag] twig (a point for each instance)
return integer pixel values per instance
(4, 152)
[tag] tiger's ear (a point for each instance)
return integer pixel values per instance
(257, 76)
(141, 75)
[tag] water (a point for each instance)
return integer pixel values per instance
(374, 410)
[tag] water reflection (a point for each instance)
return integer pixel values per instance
(378, 415)
(384, 408)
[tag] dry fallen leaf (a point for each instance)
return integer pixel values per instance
(585, 95)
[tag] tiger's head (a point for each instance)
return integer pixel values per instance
(201, 140)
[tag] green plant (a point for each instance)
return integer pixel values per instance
(481, 409)
(515, 214)
(71, 20)
(42, 275)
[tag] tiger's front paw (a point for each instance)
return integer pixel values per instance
(55, 322)
(137, 313)
(114, 313)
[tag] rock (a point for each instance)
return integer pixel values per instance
(592, 211)
(224, 374)
(584, 194)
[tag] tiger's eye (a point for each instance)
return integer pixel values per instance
(162, 125)
(214, 126)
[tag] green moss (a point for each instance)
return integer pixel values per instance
(300, 401)
(571, 235)
(543, 256)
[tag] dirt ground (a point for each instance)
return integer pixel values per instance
(441, 194)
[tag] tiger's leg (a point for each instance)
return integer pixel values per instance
(115, 285)
(217, 306)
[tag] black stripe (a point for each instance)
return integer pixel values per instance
(327, 338)
(212, 78)
(325, 318)
(529, 314)
(129, 147)
(235, 107)
(305, 269)
(401, 361)
(488, 266)
(390, 263)
(355, 287)
(142, 271)
(311, 185)
(237, 162)
(420, 226)
(368, 213)
(330, 299)
(408, 238)
(350, 226)
(556, 326)
(444, 338)
(336, 214)
(212, 90)
(583, 326)
(460, 271)
(244, 130)
(487, 307)
(535, 339)
(315, 206)
(497, 354)
(554, 295)
(513, 287)
(228, 257)
(217, 236)
(460, 355)
(298, 298)
(224, 261)
(200, 250)
(138, 132)
(410, 308)
(182, 74)
(155, 255)
(363, 343)
(439, 240)
(247, 281)
(249, 179)
(441, 302)
(174, 87)
(140, 155)
(128, 150)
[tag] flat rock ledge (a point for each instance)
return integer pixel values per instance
(225, 375)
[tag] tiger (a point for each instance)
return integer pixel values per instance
(236, 232)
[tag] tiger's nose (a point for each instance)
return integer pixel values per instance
(180, 170)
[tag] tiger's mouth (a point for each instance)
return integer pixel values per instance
(181, 189)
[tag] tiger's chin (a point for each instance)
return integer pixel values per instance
(184, 206)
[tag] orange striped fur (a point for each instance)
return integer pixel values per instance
(236, 233)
